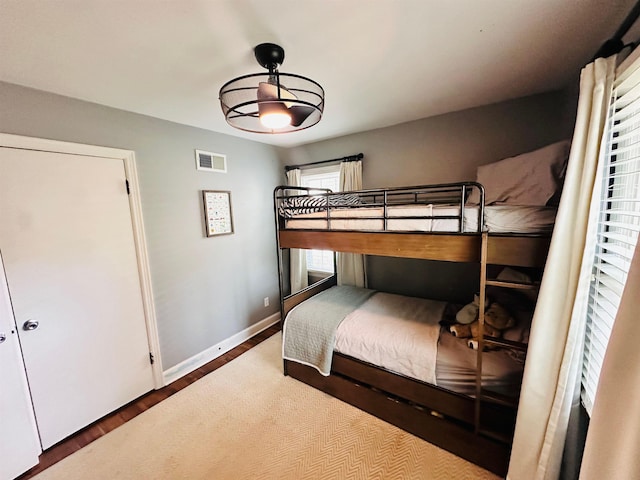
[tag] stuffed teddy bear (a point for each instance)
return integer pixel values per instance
(496, 319)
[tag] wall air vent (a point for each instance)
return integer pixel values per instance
(211, 162)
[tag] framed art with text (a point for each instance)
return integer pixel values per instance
(217, 212)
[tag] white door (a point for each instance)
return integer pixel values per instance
(19, 444)
(68, 247)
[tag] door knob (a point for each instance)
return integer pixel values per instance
(30, 325)
(3, 337)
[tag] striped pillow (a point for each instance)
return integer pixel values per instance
(316, 203)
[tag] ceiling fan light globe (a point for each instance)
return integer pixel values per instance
(275, 120)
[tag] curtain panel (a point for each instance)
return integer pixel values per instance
(613, 438)
(351, 269)
(556, 342)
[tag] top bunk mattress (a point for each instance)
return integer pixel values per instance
(429, 218)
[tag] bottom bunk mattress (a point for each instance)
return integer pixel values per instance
(405, 335)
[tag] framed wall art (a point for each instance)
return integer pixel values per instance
(217, 212)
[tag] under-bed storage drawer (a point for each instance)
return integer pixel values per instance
(495, 417)
(434, 398)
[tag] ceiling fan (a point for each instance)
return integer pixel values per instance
(261, 103)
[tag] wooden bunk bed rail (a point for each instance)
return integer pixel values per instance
(448, 247)
(296, 298)
(520, 250)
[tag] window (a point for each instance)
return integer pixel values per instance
(618, 224)
(322, 178)
(325, 177)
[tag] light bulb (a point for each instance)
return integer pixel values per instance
(275, 120)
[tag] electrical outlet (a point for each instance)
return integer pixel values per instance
(266, 301)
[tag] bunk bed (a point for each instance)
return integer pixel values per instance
(434, 222)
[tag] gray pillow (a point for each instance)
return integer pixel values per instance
(532, 178)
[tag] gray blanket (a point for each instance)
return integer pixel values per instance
(310, 328)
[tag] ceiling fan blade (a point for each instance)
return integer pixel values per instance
(299, 113)
(269, 91)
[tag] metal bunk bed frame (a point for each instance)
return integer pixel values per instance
(478, 428)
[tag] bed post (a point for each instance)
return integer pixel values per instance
(481, 309)
(276, 192)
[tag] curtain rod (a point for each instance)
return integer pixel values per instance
(615, 44)
(349, 158)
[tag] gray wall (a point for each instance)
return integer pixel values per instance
(205, 289)
(446, 148)
(449, 147)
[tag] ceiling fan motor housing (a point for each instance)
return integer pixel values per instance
(269, 55)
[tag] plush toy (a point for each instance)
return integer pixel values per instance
(469, 313)
(496, 319)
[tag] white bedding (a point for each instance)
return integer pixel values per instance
(498, 219)
(394, 332)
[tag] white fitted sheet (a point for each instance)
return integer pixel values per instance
(394, 332)
(498, 219)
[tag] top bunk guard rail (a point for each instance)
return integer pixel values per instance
(289, 203)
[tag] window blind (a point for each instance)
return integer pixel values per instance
(618, 224)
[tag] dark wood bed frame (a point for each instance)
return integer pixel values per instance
(478, 429)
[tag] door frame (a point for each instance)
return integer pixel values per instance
(135, 207)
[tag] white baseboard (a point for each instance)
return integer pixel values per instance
(211, 353)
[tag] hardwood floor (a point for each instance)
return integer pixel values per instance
(135, 408)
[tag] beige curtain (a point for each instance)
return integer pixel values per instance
(351, 270)
(612, 449)
(298, 275)
(556, 341)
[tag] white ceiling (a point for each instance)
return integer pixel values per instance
(381, 62)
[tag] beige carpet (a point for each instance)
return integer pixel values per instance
(248, 421)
